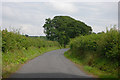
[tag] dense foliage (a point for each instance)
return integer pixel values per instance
(62, 28)
(105, 44)
(12, 41)
(98, 50)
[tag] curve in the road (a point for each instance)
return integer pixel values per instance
(52, 64)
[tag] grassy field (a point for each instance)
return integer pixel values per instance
(98, 53)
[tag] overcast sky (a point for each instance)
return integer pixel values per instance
(30, 16)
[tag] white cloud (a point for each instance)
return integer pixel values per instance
(67, 7)
(32, 15)
(60, 0)
(31, 30)
(18, 15)
(0, 14)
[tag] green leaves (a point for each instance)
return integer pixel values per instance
(62, 28)
(106, 44)
(12, 41)
(109, 44)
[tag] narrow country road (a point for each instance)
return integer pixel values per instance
(52, 64)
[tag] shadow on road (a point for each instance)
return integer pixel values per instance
(46, 75)
(40, 76)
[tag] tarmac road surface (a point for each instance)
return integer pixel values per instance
(52, 64)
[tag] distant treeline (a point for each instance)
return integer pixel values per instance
(42, 37)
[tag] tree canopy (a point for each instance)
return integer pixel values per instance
(62, 28)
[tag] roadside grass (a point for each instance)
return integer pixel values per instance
(0, 65)
(13, 60)
(0, 55)
(94, 67)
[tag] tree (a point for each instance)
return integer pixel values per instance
(62, 28)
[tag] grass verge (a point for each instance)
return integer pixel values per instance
(91, 70)
(13, 60)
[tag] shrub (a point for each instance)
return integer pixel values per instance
(108, 44)
(105, 44)
(13, 40)
(99, 51)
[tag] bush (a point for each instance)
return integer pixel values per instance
(99, 51)
(105, 44)
(108, 44)
(13, 40)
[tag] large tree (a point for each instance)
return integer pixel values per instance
(62, 28)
